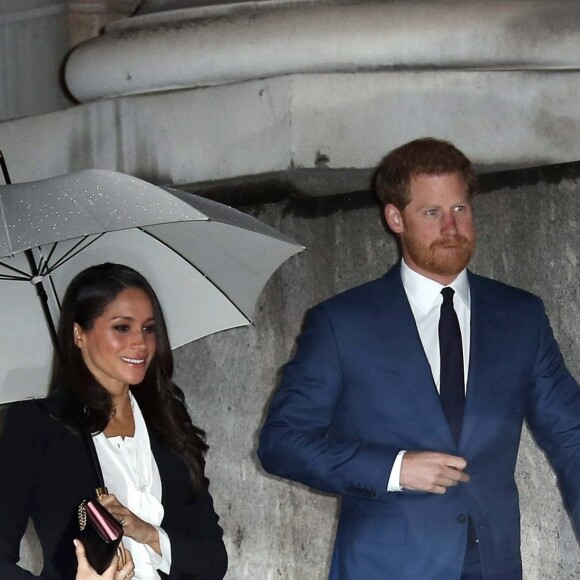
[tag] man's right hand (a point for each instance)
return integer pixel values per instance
(431, 471)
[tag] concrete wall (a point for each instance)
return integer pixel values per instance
(35, 38)
(528, 236)
(33, 45)
(288, 123)
(316, 86)
(221, 43)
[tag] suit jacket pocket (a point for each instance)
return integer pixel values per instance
(372, 527)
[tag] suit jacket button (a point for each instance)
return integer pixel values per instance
(461, 519)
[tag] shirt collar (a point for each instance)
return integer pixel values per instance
(424, 293)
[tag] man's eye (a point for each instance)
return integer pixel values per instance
(121, 328)
(431, 212)
(459, 208)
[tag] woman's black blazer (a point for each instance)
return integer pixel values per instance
(44, 474)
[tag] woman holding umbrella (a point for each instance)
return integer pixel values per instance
(111, 384)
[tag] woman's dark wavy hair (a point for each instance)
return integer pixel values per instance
(88, 405)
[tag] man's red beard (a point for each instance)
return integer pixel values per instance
(445, 257)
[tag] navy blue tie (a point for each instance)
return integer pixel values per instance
(451, 381)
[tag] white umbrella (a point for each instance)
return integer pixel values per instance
(207, 262)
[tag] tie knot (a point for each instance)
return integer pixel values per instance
(447, 295)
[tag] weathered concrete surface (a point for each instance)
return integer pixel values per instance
(529, 236)
(33, 45)
(239, 41)
(500, 119)
(301, 85)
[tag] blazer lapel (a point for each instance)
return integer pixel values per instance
(487, 328)
(396, 329)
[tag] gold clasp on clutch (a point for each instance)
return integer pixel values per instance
(101, 491)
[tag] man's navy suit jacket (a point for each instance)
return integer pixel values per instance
(360, 389)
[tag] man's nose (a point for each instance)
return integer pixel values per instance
(448, 223)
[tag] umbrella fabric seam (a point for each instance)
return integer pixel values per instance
(232, 302)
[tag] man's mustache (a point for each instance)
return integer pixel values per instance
(457, 241)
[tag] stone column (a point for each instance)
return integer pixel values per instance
(33, 44)
(88, 17)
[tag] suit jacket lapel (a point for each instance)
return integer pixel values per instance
(487, 328)
(395, 326)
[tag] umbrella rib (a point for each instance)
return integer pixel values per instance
(74, 251)
(23, 274)
(201, 272)
(55, 294)
(45, 261)
(13, 278)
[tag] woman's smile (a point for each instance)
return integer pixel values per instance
(119, 346)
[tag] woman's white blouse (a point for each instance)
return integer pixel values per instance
(131, 474)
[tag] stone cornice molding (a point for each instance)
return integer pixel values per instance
(103, 6)
(221, 44)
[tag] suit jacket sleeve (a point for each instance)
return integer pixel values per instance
(200, 553)
(297, 440)
(554, 415)
(197, 547)
(20, 456)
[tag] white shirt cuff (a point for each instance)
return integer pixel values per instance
(394, 478)
(161, 562)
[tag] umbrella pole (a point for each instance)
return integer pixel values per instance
(43, 297)
(36, 278)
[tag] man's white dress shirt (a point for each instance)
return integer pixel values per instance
(425, 298)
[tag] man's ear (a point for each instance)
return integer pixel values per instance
(394, 218)
(78, 336)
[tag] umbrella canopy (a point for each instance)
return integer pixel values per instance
(207, 262)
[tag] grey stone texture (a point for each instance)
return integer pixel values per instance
(528, 236)
(34, 44)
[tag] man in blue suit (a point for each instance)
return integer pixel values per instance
(407, 394)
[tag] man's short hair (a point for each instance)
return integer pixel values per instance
(426, 156)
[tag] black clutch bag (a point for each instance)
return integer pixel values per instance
(100, 534)
(91, 523)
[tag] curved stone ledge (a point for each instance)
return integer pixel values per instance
(221, 44)
(332, 126)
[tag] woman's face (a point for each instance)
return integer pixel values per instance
(120, 345)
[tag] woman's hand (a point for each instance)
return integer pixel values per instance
(133, 526)
(85, 572)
